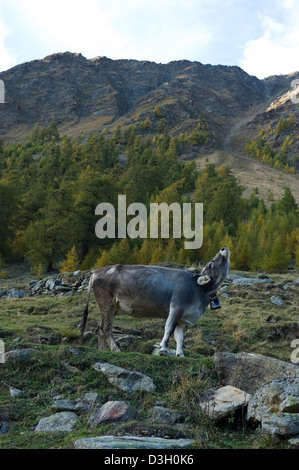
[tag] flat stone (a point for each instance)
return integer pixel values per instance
(77, 406)
(126, 380)
(64, 421)
(132, 442)
(112, 411)
(277, 301)
(239, 280)
(225, 401)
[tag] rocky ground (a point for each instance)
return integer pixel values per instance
(237, 387)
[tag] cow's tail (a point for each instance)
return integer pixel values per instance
(85, 314)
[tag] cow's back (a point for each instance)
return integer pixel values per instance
(145, 291)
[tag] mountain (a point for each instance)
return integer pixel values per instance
(88, 96)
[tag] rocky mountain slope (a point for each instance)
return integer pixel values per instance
(88, 96)
(92, 94)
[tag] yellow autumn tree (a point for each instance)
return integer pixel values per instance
(71, 262)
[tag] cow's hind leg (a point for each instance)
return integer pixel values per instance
(102, 343)
(108, 310)
(179, 337)
(170, 326)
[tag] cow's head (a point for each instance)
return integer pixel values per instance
(215, 271)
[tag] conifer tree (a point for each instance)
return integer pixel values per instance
(71, 263)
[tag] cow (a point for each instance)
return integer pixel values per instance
(179, 296)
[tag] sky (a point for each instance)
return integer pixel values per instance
(260, 36)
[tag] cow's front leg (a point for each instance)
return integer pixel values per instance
(170, 325)
(179, 337)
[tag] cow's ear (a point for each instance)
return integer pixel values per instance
(202, 280)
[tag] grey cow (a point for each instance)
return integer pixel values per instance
(155, 292)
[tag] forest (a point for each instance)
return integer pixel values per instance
(50, 186)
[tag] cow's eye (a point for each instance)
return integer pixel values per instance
(210, 264)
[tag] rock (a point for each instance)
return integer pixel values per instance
(4, 427)
(64, 421)
(92, 398)
(63, 288)
(284, 424)
(72, 369)
(16, 393)
(277, 301)
(123, 341)
(166, 415)
(112, 411)
(16, 294)
(2, 293)
(224, 402)
(18, 355)
(225, 295)
(249, 371)
(132, 442)
(77, 406)
(52, 284)
(126, 380)
(294, 442)
(239, 280)
(273, 319)
(274, 397)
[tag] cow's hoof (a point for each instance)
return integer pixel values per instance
(163, 352)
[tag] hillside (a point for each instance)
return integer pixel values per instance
(258, 315)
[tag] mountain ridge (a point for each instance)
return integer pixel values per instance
(68, 88)
(85, 96)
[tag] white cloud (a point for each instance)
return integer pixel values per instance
(137, 29)
(276, 51)
(73, 25)
(7, 58)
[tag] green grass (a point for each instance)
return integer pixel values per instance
(50, 325)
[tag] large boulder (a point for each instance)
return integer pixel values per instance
(249, 371)
(279, 396)
(127, 380)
